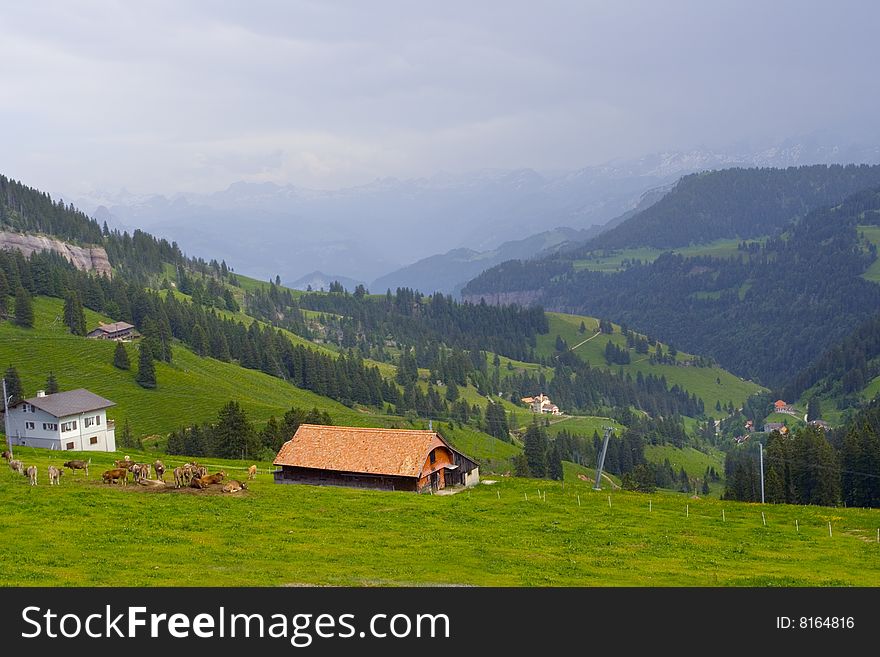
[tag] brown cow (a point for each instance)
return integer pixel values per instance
(159, 467)
(31, 474)
(252, 472)
(55, 475)
(7, 455)
(207, 480)
(117, 474)
(123, 463)
(17, 466)
(78, 464)
(233, 486)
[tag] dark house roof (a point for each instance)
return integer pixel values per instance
(70, 402)
(395, 452)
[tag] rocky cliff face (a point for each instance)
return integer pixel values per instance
(519, 297)
(87, 258)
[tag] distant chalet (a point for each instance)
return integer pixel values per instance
(116, 331)
(384, 459)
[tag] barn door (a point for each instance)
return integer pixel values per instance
(435, 480)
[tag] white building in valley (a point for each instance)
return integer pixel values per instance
(72, 420)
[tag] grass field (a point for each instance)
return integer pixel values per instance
(872, 234)
(87, 533)
(711, 384)
(584, 425)
(692, 460)
(615, 261)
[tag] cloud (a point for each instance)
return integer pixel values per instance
(181, 96)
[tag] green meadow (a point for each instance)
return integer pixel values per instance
(515, 532)
(711, 384)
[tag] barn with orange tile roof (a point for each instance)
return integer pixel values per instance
(385, 459)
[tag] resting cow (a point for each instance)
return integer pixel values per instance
(233, 486)
(207, 480)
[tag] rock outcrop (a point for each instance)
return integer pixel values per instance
(87, 258)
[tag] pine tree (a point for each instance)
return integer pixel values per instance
(233, 435)
(120, 357)
(535, 450)
(128, 440)
(14, 390)
(146, 375)
(24, 308)
(814, 409)
(554, 462)
(74, 316)
(451, 392)
(51, 384)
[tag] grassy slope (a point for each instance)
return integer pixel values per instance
(702, 381)
(872, 234)
(613, 261)
(275, 534)
(191, 389)
(693, 461)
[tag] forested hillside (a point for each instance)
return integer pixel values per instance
(735, 203)
(766, 313)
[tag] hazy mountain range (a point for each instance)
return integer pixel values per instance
(430, 233)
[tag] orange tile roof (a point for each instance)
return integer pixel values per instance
(397, 452)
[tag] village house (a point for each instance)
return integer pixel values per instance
(385, 459)
(781, 406)
(822, 424)
(769, 427)
(120, 331)
(72, 420)
(542, 404)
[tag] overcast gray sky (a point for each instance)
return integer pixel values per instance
(191, 96)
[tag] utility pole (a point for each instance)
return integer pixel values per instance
(601, 462)
(761, 459)
(6, 417)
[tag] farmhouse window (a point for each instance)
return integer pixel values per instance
(433, 456)
(50, 426)
(69, 426)
(69, 445)
(93, 440)
(98, 420)
(89, 421)
(28, 425)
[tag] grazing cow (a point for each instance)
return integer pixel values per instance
(7, 455)
(78, 464)
(55, 475)
(31, 474)
(207, 480)
(17, 466)
(117, 474)
(233, 486)
(252, 472)
(159, 467)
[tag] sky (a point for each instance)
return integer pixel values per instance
(185, 96)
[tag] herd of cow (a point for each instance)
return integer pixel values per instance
(189, 475)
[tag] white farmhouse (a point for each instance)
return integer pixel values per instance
(75, 420)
